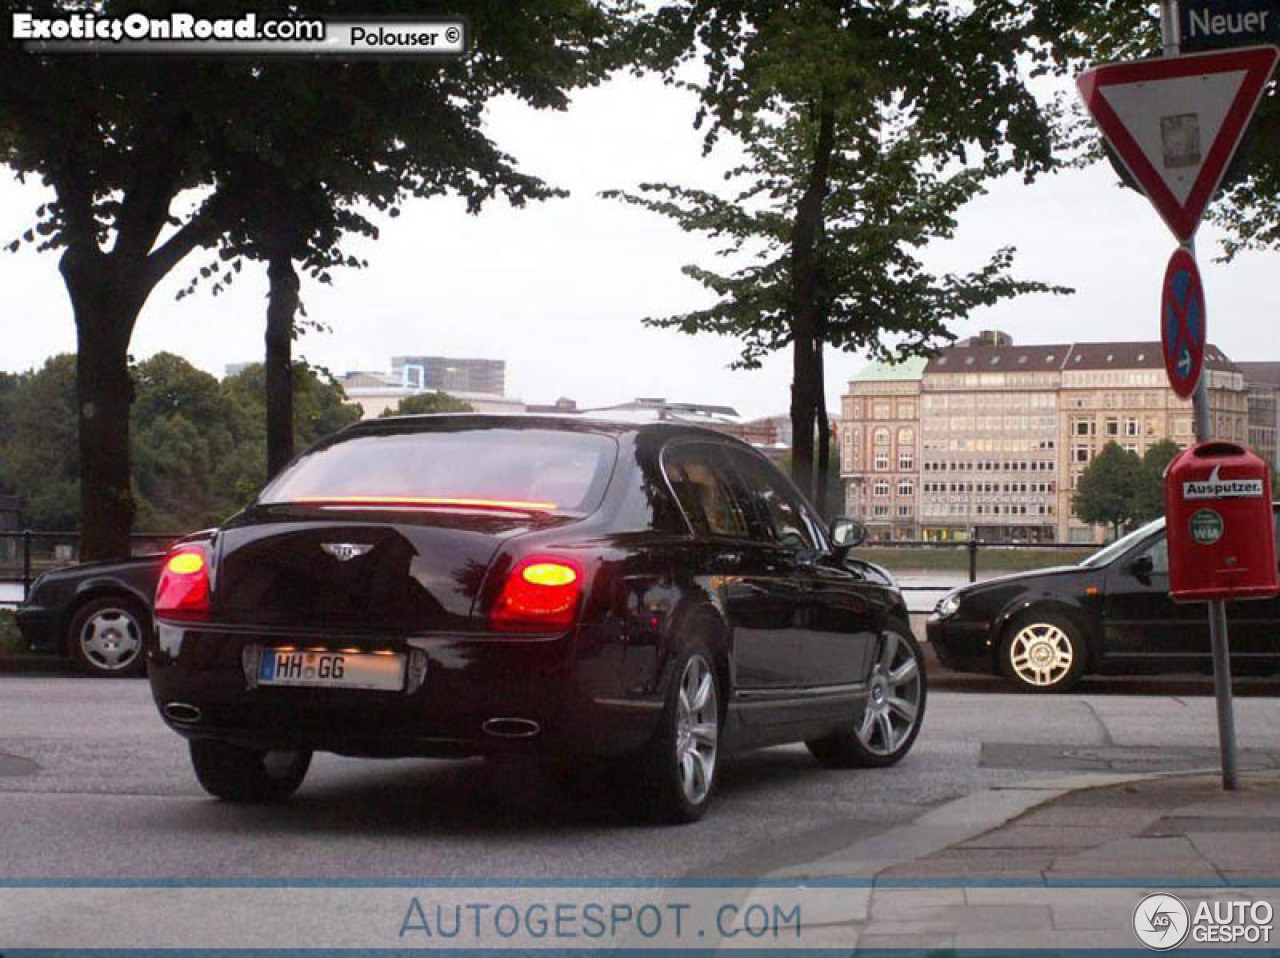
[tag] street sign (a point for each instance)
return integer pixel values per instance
(1176, 122)
(1218, 24)
(1182, 323)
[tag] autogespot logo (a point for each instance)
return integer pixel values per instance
(1161, 922)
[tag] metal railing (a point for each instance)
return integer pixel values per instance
(973, 549)
(26, 554)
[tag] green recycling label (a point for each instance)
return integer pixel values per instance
(1206, 527)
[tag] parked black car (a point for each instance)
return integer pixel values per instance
(97, 613)
(535, 586)
(1111, 613)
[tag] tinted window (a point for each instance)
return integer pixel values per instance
(546, 469)
(778, 503)
(698, 481)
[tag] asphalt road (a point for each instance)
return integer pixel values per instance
(92, 785)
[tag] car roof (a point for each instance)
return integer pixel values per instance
(568, 422)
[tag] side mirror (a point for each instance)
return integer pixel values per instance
(1142, 568)
(846, 534)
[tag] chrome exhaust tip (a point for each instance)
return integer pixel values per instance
(182, 713)
(511, 728)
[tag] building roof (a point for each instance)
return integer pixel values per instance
(881, 372)
(1265, 373)
(1063, 357)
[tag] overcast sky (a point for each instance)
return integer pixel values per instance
(558, 289)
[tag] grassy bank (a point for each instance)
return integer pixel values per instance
(956, 559)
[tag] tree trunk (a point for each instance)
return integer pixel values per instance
(821, 484)
(282, 305)
(106, 303)
(806, 295)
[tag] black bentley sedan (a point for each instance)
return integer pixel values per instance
(1109, 614)
(96, 613)
(537, 586)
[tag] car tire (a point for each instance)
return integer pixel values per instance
(675, 778)
(107, 637)
(884, 730)
(1043, 652)
(247, 776)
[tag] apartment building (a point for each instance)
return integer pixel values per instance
(1262, 380)
(879, 444)
(996, 435)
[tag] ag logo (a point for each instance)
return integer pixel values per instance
(1206, 527)
(1161, 922)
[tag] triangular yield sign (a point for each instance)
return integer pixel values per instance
(1176, 122)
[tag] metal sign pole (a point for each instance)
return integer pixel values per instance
(1218, 638)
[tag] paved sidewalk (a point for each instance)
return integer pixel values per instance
(1066, 871)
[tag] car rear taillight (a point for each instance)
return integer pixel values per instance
(183, 589)
(540, 595)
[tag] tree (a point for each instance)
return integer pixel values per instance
(319, 408)
(1149, 499)
(424, 403)
(121, 140)
(1108, 489)
(197, 444)
(360, 137)
(866, 127)
(39, 456)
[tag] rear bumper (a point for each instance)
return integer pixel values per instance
(37, 627)
(565, 703)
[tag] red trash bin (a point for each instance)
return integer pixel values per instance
(1222, 533)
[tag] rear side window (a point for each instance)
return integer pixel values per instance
(544, 470)
(698, 480)
(777, 502)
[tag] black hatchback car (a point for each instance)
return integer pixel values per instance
(1111, 613)
(537, 586)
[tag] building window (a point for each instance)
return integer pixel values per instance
(906, 488)
(880, 511)
(880, 437)
(906, 460)
(904, 512)
(1113, 427)
(882, 462)
(881, 489)
(1131, 427)
(880, 410)
(1082, 454)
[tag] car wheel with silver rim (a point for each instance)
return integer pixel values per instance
(677, 775)
(107, 637)
(1043, 653)
(884, 730)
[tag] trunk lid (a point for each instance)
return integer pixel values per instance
(311, 570)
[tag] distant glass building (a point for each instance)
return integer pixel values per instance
(440, 373)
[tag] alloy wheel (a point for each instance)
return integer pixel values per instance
(1041, 654)
(111, 639)
(893, 705)
(697, 730)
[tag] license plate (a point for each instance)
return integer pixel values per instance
(339, 670)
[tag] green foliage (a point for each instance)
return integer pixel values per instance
(1107, 493)
(424, 403)
(1149, 500)
(39, 459)
(198, 445)
(866, 128)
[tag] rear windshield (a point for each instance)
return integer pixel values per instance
(536, 470)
